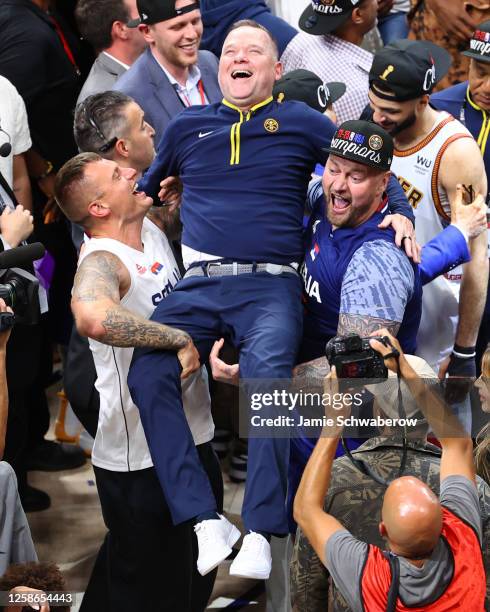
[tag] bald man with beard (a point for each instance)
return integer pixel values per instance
(433, 558)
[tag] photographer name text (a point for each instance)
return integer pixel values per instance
(324, 421)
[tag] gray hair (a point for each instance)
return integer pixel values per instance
(99, 119)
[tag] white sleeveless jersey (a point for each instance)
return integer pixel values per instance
(120, 444)
(417, 170)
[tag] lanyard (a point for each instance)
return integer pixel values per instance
(186, 100)
(462, 112)
(64, 42)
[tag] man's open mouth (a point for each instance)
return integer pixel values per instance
(339, 204)
(241, 74)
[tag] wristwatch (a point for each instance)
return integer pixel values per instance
(47, 172)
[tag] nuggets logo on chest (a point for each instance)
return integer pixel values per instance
(271, 125)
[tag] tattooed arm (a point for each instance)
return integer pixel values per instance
(364, 325)
(100, 282)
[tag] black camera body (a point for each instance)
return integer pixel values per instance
(20, 290)
(353, 357)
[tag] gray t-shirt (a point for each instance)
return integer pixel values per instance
(345, 555)
(16, 544)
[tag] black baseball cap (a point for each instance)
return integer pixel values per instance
(307, 87)
(363, 142)
(480, 43)
(154, 11)
(407, 69)
(324, 16)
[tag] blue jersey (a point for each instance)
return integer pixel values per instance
(245, 176)
(357, 271)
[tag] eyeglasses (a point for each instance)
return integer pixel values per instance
(107, 144)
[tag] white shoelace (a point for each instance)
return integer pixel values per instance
(250, 539)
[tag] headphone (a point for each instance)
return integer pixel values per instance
(6, 148)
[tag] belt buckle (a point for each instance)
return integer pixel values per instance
(274, 269)
(210, 265)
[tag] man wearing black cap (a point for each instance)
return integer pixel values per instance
(305, 86)
(329, 46)
(172, 73)
(433, 154)
(348, 254)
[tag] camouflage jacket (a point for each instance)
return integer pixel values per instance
(355, 499)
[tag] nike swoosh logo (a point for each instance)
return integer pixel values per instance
(204, 134)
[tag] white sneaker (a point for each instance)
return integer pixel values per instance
(254, 559)
(214, 539)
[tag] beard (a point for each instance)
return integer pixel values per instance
(404, 125)
(351, 219)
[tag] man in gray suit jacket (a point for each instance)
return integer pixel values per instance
(104, 25)
(172, 73)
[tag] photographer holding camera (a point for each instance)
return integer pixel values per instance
(434, 560)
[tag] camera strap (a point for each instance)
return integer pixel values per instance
(361, 465)
(8, 190)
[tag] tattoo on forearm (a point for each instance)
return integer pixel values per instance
(364, 325)
(125, 329)
(316, 369)
(97, 278)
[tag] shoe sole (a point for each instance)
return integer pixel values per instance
(254, 575)
(233, 537)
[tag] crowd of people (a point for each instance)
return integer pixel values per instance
(232, 194)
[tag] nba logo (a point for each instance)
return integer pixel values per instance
(156, 267)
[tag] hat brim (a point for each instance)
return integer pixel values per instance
(352, 157)
(324, 24)
(337, 90)
(477, 56)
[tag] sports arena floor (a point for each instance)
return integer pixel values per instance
(70, 532)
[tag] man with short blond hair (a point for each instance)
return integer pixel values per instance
(172, 73)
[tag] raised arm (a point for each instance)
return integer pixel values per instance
(473, 290)
(450, 247)
(100, 282)
(316, 524)
(457, 446)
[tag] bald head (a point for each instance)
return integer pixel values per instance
(411, 518)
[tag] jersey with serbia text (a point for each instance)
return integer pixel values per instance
(417, 170)
(120, 444)
(357, 271)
